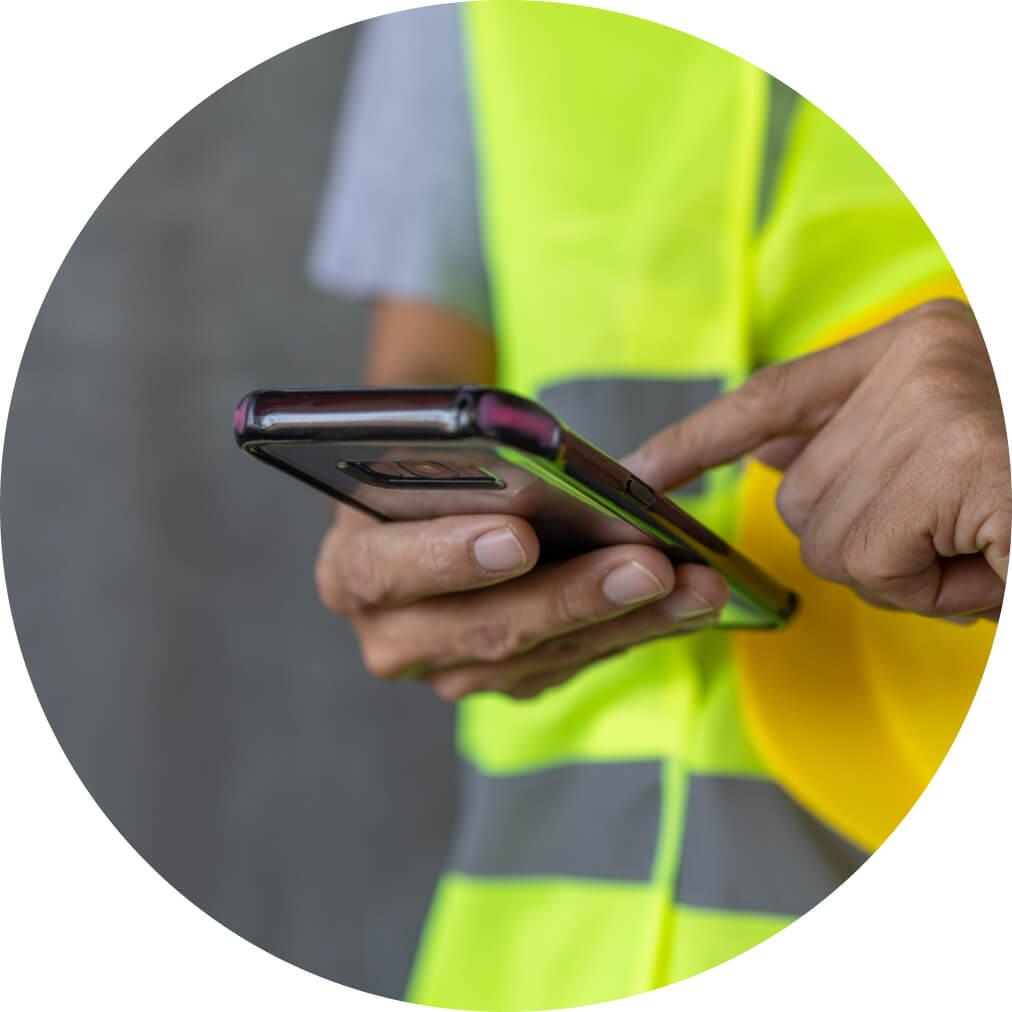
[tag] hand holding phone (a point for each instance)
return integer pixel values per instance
(485, 546)
(457, 600)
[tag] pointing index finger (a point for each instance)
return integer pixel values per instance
(793, 399)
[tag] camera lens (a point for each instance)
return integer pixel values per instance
(388, 468)
(429, 469)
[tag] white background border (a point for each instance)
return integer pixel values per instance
(87, 87)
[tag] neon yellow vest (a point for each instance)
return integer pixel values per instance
(626, 830)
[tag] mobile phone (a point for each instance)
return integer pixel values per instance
(414, 453)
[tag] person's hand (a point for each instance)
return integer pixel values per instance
(458, 601)
(895, 460)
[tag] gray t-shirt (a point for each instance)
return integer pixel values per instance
(399, 215)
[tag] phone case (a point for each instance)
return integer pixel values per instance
(414, 453)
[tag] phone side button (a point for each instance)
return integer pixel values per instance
(641, 492)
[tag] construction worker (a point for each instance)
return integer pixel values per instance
(624, 223)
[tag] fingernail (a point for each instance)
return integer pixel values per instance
(683, 604)
(631, 583)
(499, 551)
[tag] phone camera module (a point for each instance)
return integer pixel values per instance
(387, 468)
(429, 469)
(418, 474)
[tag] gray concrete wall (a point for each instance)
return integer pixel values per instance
(161, 582)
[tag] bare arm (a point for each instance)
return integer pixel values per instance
(419, 342)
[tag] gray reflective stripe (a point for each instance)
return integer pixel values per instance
(617, 413)
(592, 820)
(748, 846)
(782, 103)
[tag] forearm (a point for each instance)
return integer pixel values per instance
(419, 343)
(414, 343)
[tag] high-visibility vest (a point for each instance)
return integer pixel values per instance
(651, 238)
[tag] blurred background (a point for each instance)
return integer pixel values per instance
(161, 582)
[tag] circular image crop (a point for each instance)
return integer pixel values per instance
(635, 529)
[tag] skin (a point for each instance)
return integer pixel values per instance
(894, 456)
(896, 481)
(427, 600)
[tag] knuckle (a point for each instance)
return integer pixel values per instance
(816, 559)
(863, 569)
(986, 429)
(942, 306)
(924, 330)
(440, 558)
(794, 499)
(937, 321)
(995, 530)
(763, 386)
(943, 342)
(328, 574)
(329, 588)
(973, 434)
(493, 640)
(567, 605)
(364, 572)
(930, 380)
(946, 372)
(863, 561)
(870, 562)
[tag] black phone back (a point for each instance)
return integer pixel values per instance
(419, 453)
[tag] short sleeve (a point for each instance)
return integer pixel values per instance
(399, 214)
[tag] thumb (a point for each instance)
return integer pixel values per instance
(794, 400)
